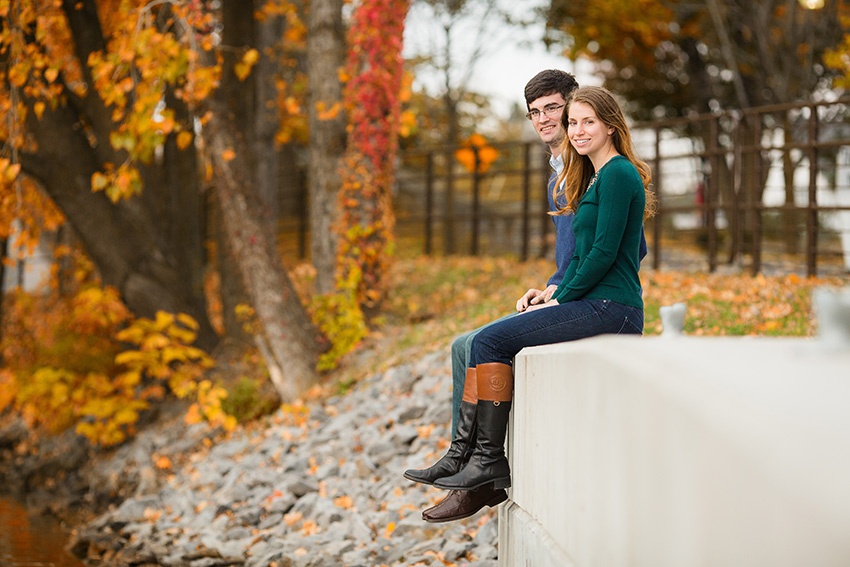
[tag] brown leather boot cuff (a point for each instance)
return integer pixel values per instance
(495, 382)
(470, 386)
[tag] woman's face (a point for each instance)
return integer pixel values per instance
(587, 134)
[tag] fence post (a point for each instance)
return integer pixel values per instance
(476, 201)
(812, 212)
(449, 211)
(429, 202)
(711, 194)
(526, 197)
(656, 226)
(755, 205)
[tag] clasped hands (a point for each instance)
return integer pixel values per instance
(536, 299)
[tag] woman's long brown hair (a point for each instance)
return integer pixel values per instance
(578, 169)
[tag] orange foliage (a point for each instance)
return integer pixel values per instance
(476, 144)
(373, 77)
(141, 60)
(65, 367)
(372, 96)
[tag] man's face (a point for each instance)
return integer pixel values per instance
(547, 122)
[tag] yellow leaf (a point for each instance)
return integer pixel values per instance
(228, 154)
(184, 138)
(193, 415)
(424, 430)
(164, 319)
(243, 68)
(343, 502)
(11, 172)
(128, 356)
(99, 182)
(188, 320)
(251, 56)
(324, 113)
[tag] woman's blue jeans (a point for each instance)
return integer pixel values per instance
(502, 340)
(505, 337)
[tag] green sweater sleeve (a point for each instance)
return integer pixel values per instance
(607, 203)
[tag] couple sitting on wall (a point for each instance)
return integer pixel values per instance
(598, 198)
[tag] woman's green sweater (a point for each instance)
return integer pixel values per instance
(607, 226)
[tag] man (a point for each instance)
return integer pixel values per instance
(545, 96)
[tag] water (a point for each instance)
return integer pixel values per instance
(31, 541)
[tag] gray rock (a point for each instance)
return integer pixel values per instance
(281, 504)
(230, 505)
(488, 534)
(299, 487)
(404, 435)
(454, 550)
(270, 521)
(383, 451)
(133, 510)
(486, 552)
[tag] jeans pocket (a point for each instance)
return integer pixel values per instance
(630, 327)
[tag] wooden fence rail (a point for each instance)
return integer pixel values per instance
(754, 185)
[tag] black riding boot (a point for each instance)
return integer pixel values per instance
(464, 437)
(488, 464)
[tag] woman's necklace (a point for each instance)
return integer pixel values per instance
(596, 174)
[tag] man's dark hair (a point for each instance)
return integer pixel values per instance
(549, 82)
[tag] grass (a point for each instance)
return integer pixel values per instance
(431, 300)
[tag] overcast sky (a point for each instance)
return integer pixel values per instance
(511, 57)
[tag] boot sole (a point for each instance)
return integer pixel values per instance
(495, 501)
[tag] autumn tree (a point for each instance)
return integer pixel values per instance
(103, 99)
(671, 58)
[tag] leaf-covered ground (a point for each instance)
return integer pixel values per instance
(431, 300)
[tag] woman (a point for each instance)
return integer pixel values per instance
(607, 189)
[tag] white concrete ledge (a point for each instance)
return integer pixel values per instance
(679, 451)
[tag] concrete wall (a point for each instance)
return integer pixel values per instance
(679, 451)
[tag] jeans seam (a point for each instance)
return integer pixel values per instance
(531, 331)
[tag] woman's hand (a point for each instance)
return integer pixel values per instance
(534, 297)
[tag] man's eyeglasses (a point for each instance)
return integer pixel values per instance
(550, 111)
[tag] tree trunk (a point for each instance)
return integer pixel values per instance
(289, 339)
(237, 35)
(266, 118)
(4, 243)
(327, 134)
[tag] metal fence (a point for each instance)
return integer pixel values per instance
(766, 189)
